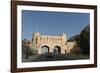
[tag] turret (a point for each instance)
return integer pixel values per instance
(64, 35)
(35, 35)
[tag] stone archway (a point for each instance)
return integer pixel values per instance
(57, 50)
(45, 49)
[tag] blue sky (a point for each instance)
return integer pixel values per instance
(53, 23)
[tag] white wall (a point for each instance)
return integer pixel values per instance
(5, 36)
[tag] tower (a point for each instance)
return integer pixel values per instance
(65, 45)
(35, 36)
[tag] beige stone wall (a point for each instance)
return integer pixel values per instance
(71, 45)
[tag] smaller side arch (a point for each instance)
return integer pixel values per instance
(57, 49)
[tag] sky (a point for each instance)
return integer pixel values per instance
(53, 23)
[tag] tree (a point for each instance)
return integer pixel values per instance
(85, 40)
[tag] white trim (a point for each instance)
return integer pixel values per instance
(53, 63)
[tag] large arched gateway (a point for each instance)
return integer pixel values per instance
(50, 43)
(44, 49)
(47, 44)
